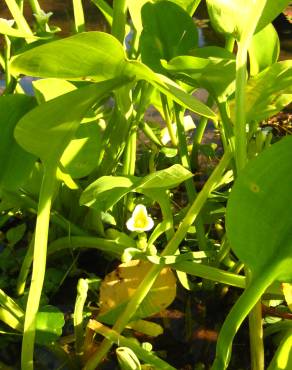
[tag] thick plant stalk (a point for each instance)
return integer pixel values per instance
(18, 17)
(39, 266)
(82, 289)
(78, 16)
(255, 322)
(119, 19)
(170, 249)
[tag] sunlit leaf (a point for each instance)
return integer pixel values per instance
(268, 92)
(15, 163)
(50, 321)
(258, 218)
(259, 57)
(160, 39)
(47, 130)
(84, 56)
(107, 190)
(119, 285)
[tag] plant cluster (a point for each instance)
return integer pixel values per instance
(84, 167)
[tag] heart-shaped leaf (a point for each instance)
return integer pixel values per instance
(159, 39)
(119, 285)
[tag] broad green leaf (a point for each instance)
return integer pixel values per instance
(160, 39)
(15, 163)
(214, 74)
(86, 56)
(235, 17)
(103, 193)
(119, 285)
(262, 57)
(47, 130)
(81, 155)
(268, 92)
(135, 7)
(271, 10)
(50, 321)
(164, 179)
(258, 218)
(259, 229)
(96, 56)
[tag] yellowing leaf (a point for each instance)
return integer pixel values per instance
(287, 291)
(119, 285)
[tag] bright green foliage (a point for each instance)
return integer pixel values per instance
(261, 57)
(235, 17)
(159, 39)
(259, 222)
(86, 56)
(268, 92)
(108, 190)
(50, 321)
(15, 163)
(48, 138)
(214, 73)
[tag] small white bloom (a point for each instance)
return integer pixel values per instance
(140, 221)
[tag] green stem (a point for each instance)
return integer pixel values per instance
(142, 354)
(120, 8)
(198, 136)
(115, 247)
(82, 288)
(239, 312)
(7, 60)
(170, 249)
(240, 121)
(190, 186)
(18, 17)
(105, 9)
(256, 343)
(167, 118)
(39, 266)
(25, 268)
(35, 6)
(78, 16)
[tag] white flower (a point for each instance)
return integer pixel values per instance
(140, 221)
